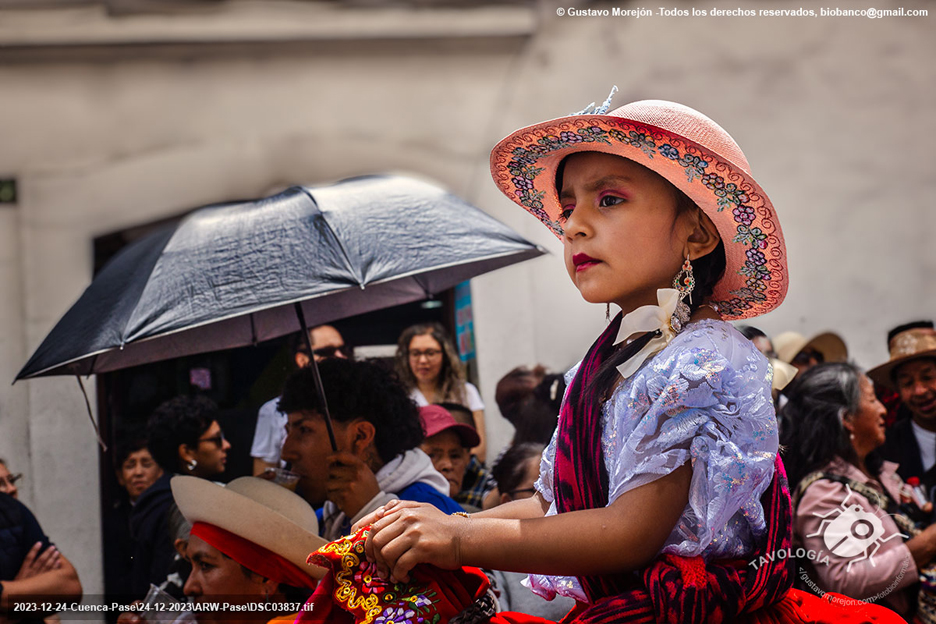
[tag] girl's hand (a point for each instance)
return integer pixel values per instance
(374, 516)
(409, 533)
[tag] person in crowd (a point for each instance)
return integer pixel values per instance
(664, 471)
(377, 431)
(249, 540)
(911, 372)
(136, 468)
(428, 364)
(270, 431)
(248, 544)
(136, 471)
(184, 437)
(478, 482)
(783, 373)
(30, 565)
(517, 470)
(530, 400)
(833, 426)
(8, 480)
(794, 349)
(760, 339)
(448, 443)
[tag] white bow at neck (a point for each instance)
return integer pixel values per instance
(645, 319)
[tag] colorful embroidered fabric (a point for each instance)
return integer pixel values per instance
(352, 593)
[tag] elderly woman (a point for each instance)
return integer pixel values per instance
(853, 532)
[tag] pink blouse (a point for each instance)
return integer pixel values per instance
(853, 547)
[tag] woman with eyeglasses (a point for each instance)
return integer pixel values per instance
(428, 364)
(184, 437)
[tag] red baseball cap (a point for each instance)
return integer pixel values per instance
(436, 419)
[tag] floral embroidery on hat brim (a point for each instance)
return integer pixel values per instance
(524, 167)
(371, 599)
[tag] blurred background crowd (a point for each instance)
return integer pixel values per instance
(122, 116)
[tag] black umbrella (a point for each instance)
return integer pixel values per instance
(237, 274)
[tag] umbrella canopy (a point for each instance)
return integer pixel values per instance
(229, 275)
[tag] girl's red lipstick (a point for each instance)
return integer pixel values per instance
(583, 261)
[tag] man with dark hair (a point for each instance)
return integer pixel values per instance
(176, 430)
(270, 432)
(911, 372)
(377, 431)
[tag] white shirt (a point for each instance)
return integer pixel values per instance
(472, 398)
(270, 433)
(926, 440)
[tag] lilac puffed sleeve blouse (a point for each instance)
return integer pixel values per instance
(705, 398)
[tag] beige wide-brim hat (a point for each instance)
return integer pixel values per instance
(694, 154)
(783, 374)
(829, 344)
(257, 510)
(919, 342)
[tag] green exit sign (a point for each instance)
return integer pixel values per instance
(7, 191)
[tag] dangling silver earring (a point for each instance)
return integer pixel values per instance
(684, 282)
(191, 465)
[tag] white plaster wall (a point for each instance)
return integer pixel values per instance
(835, 116)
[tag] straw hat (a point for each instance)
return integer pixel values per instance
(688, 149)
(829, 344)
(910, 344)
(257, 510)
(783, 374)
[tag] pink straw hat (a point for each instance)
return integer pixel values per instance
(688, 149)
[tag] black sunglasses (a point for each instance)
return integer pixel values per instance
(217, 440)
(327, 352)
(11, 479)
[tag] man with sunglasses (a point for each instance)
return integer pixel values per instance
(184, 437)
(270, 433)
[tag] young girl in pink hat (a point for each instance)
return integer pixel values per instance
(662, 496)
